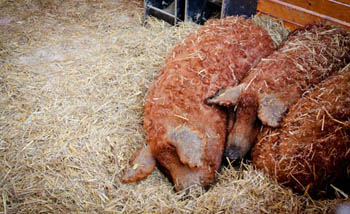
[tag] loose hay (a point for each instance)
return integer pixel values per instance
(275, 29)
(73, 75)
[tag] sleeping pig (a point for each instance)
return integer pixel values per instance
(311, 149)
(306, 57)
(183, 134)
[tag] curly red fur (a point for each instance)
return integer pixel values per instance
(312, 147)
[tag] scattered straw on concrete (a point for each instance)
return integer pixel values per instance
(73, 76)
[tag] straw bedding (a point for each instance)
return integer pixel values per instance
(73, 78)
(312, 148)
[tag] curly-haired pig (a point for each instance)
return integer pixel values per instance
(186, 136)
(311, 149)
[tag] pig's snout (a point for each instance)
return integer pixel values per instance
(237, 147)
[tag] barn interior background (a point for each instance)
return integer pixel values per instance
(73, 76)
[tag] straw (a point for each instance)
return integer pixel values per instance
(73, 77)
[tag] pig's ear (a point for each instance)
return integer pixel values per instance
(271, 109)
(142, 164)
(228, 96)
(189, 146)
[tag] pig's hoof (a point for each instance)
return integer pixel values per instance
(232, 154)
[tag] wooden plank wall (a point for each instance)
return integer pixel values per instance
(295, 13)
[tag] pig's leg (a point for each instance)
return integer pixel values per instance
(142, 164)
(243, 134)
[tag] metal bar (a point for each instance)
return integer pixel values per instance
(161, 11)
(167, 10)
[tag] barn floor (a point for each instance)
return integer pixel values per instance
(73, 76)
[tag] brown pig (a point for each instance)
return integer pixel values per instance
(306, 57)
(311, 149)
(183, 134)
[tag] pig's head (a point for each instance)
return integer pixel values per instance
(252, 110)
(194, 157)
(189, 157)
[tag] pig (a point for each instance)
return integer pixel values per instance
(311, 149)
(306, 57)
(184, 135)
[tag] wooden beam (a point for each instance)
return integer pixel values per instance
(325, 7)
(297, 14)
